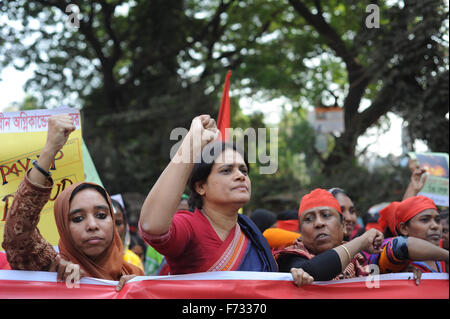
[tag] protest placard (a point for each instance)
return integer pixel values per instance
(22, 137)
(437, 169)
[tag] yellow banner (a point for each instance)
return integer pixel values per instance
(20, 147)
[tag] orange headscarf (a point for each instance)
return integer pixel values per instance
(279, 238)
(411, 207)
(110, 264)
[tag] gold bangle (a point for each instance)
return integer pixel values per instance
(348, 254)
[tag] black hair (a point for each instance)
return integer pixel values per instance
(388, 233)
(263, 218)
(135, 239)
(287, 215)
(444, 216)
(336, 191)
(202, 168)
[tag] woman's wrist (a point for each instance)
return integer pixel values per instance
(363, 242)
(43, 164)
(46, 157)
(50, 150)
(190, 149)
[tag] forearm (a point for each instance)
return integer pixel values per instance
(45, 161)
(322, 267)
(24, 245)
(163, 199)
(410, 192)
(416, 183)
(352, 247)
(422, 250)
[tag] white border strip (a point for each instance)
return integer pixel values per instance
(45, 276)
(386, 277)
(254, 275)
(222, 275)
(216, 275)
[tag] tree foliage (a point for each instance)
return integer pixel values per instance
(138, 69)
(322, 52)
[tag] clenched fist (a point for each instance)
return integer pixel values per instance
(59, 128)
(203, 130)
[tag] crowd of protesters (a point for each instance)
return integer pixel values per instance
(205, 231)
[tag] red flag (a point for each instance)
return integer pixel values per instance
(223, 120)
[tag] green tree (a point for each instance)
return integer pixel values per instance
(128, 66)
(138, 69)
(322, 53)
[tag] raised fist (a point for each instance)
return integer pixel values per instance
(59, 128)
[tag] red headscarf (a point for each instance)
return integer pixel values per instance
(318, 198)
(111, 264)
(387, 217)
(289, 224)
(411, 207)
(374, 225)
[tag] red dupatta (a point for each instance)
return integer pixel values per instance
(231, 253)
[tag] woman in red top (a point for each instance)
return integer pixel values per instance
(215, 237)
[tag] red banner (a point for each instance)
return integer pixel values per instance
(223, 285)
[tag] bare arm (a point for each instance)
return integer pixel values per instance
(421, 250)
(25, 247)
(418, 179)
(370, 241)
(163, 199)
(59, 129)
